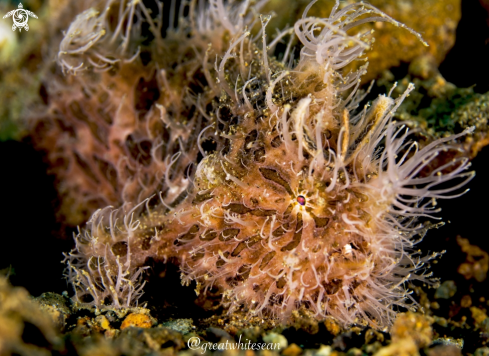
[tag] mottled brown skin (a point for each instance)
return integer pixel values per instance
(257, 173)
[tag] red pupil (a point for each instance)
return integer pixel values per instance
(301, 200)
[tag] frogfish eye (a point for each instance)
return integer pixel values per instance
(301, 200)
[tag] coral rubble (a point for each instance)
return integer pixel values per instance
(246, 158)
(441, 109)
(24, 328)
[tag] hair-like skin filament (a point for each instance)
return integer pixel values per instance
(262, 177)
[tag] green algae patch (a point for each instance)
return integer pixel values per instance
(440, 108)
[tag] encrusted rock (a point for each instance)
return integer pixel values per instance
(413, 326)
(57, 306)
(138, 320)
(24, 328)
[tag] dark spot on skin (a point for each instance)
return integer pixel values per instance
(187, 236)
(98, 131)
(241, 246)
(238, 208)
(319, 221)
(364, 216)
(231, 281)
(86, 168)
(198, 255)
(220, 262)
(42, 128)
(281, 230)
(208, 236)
(266, 259)
(85, 298)
(243, 273)
(144, 156)
(242, 209)
(145, 57)
(104, 115)
(77, 111)
(260, 212)
(43, 93)
(360, 196)
(273, 175)
(276, 142)
(181, 197)
(139, 151)
(108, 171)
(146, 243)
(354, 285)
(281, 282)
(297, 235)
(165, 137)
(102, 98)
(228, 234)
(199, 198)
(288, 211)
(245, 244)
(319, 86)
(332, 287)
(120, 248)
(146, 93)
